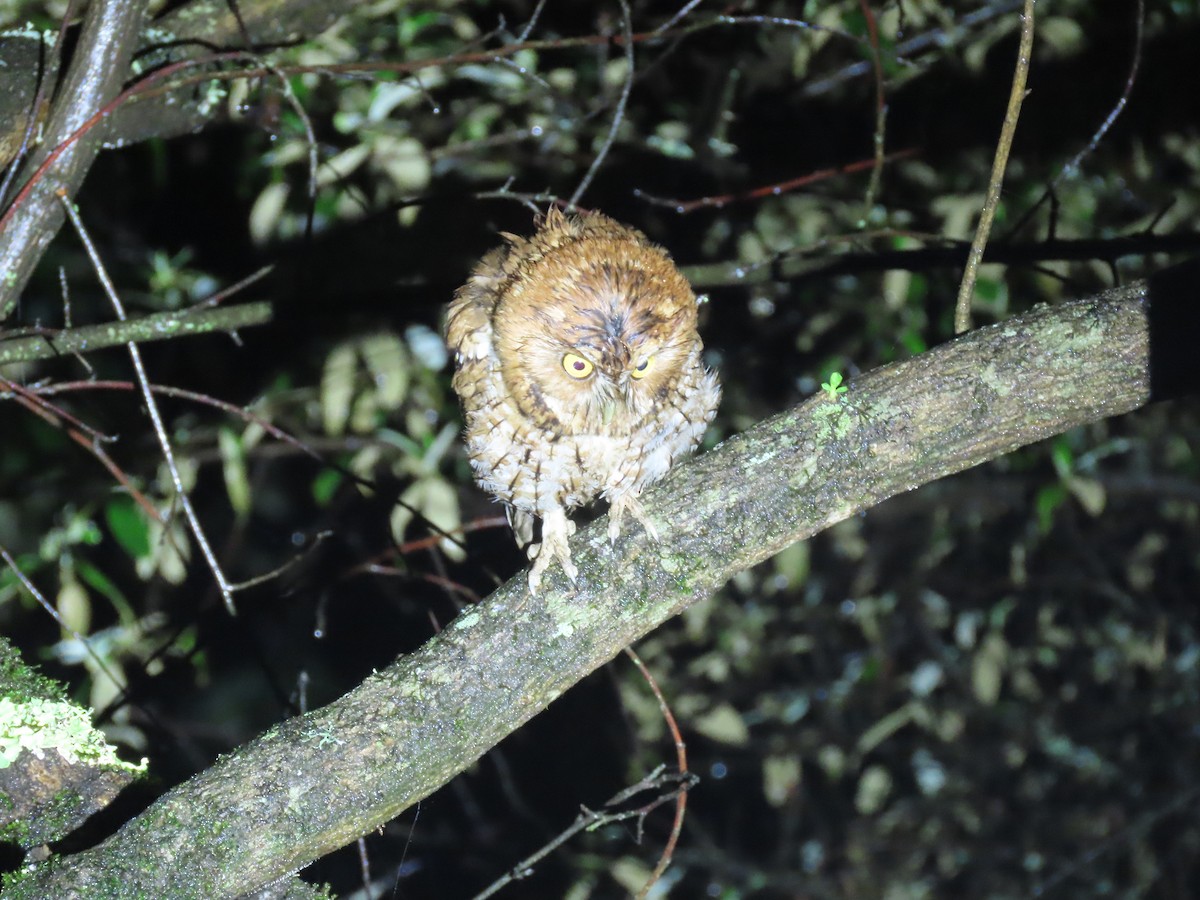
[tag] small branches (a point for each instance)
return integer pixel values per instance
(683, 207)
(879, 138)
(680, 761)
(667, 785)
(160, 430)
(618, 112)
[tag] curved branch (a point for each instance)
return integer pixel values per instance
(317, 782)
(100, 66)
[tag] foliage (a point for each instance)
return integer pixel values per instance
(986, 688)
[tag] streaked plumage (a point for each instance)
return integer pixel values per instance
(578, 366)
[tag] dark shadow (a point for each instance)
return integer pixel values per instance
(1173, 300)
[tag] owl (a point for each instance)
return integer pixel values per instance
(578, 365)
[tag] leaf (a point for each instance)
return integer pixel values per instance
(725, 724)
(873, 789)
(987, 669)
(337, 388)
(233, 467)
(325, 485)
(405, 162)
(129, 525)
(781, 778)
(339, 167)
(107, 588)
(267, 210)
(387, 360)
(73, 604)
(436, 500)
(1090, 493)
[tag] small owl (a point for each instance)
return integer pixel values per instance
(578, 367)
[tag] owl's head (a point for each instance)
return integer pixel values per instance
(594, 326)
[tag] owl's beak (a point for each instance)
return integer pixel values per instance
(608, 410)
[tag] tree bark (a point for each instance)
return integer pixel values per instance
(100, 66)
(163, 326)
(316, 782)
(114, 32)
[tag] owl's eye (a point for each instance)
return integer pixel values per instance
(640, 370)
(576, 366)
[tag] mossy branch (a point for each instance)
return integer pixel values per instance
(317, 782)
(155, 327)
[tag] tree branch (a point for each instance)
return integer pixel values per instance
(155, 327)
(317, 782)
(100, 65)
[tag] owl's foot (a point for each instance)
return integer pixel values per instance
(556, 529)
(628, 503)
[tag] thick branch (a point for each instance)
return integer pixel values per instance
(194, 31)
(100, 65)
(191, 31)
(317, 782)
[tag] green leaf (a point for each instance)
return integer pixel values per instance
(127, 523)
(233, 467)
(107, 588)
(1048, 500)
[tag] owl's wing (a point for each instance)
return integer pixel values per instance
(469, 318)
(522, 525)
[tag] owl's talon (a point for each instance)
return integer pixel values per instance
(556, 529)
(614, 529)
(618, 508)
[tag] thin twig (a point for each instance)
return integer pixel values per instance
(771, 190)
(275, 431)
(590, 820)
(678, 17)
(236, 288)
(1071, 168)
(880, 113)
(962, 311)
(941, 38)
(31, 399)
(619, 112)
(664, 860)
(139, 88)
(160, 430)
(532, 23)
(39, 95)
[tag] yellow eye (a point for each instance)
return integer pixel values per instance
(576, 366)
(640, 370)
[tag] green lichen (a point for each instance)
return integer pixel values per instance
(834, 420)
(467, 620)
(39, 726)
